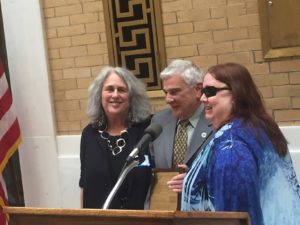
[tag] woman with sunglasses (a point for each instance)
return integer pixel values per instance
(119, 111)
(246, 166)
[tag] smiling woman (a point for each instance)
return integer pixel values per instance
(211, 91)
(218, 101)
(119, 111)
(247, 165)
(115, 102)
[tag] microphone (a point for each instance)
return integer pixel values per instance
(150, 134)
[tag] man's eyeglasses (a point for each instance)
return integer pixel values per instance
(211, 91)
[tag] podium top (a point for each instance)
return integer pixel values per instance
(60, 216)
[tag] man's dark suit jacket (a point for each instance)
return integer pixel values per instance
(162, 148)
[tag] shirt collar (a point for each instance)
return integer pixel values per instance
(195, 117)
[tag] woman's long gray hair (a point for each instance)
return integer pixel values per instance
(139, 105)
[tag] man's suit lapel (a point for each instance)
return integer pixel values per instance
(169, 140)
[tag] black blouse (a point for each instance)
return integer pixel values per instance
(100, 170)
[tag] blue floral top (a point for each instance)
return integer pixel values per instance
(239, 172)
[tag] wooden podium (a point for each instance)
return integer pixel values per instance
(54, 216)
(162, 198)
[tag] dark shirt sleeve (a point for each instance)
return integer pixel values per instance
(82, 156)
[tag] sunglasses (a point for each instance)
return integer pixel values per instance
(211, 91)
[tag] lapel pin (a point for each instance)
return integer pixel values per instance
(203, 135)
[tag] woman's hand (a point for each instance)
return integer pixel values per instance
(175, 184)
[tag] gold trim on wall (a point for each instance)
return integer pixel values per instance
(266, 16)
(156, 94)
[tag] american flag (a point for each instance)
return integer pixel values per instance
(10, 135)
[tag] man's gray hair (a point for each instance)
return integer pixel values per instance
(189, 71)
(139, 105)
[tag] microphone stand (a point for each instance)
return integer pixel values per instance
(128, 167)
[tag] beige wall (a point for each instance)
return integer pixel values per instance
(206, 32)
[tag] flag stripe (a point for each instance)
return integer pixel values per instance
(5, 94)
(6, 122)
(9, 144)
(5, 102)
(3, 83)
(10, 136)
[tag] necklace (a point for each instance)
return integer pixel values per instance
(117, 147)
